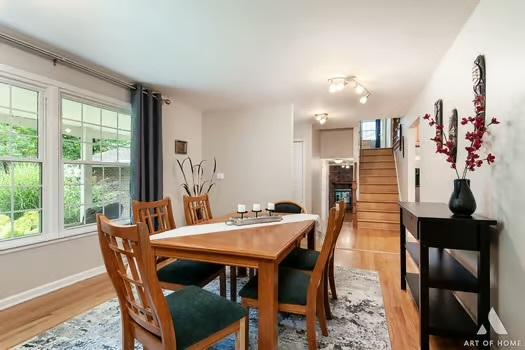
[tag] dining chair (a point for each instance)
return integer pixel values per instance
(300, 292)
(288, 206)
(175, 274)
(306, 259)
(197, 210)
(189, 318)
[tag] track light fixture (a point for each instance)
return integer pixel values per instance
(321, 118)
(339, 83)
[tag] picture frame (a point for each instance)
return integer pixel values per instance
(181, 147)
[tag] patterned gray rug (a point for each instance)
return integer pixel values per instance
(359, 322)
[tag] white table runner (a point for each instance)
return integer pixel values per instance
(222, 227)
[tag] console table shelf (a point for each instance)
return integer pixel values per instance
(447, 316)
(444, 271)
(435, 229)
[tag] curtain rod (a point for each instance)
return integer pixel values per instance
(56, 58)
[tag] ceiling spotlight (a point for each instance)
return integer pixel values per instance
(321, 118)
(364, 99)
(337, 84)
(359, 89)
(338, 161)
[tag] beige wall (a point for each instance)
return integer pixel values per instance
(253, 148)
(303, 132)
(31, 267)
(495, 29)
(316, 165)
(337, 143)
(180, 122)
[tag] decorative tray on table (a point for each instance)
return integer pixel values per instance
(253, 221)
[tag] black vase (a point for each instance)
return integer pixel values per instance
(462, 202)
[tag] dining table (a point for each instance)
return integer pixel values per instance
(261, 247)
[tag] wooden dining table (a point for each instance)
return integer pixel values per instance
(262, 247)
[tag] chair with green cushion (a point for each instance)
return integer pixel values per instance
(189, 318)
(305, 259)
(301, 292)
(290, 207)
(175, 274)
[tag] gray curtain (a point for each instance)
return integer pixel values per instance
(146, 145)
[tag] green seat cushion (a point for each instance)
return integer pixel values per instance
(197, 314)
(302, 259)
(293, 287)
(187, 273)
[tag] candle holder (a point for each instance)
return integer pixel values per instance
(270, 211)
(256, 212)
(242, 213)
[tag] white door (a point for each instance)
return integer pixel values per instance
(298, 172)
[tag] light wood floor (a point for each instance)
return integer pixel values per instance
(365, 249)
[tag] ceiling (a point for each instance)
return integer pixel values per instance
(226, 54)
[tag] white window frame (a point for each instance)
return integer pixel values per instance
(50, 153)
(81, 98)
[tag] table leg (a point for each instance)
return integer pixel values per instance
(402, 254)
(311, 238)
(423, 298)
(268, 307)
(484, 286)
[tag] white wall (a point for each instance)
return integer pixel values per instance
(495, 29)
(316, 166)
(337, 143)
(253, 148)
(180, 122)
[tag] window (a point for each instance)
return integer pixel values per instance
(96, 157)
(368, 130)
(20, 162)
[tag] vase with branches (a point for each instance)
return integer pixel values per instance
(197, 181)
(462, 202)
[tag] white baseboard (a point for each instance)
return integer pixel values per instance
(50, 287)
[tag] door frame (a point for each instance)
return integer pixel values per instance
(303, 189)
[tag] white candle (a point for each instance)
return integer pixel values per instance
(241, 208)
(256, 207)
(271, 206)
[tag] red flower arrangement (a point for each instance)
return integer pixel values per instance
(448, 147)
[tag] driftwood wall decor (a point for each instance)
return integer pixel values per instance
(453, 133)
(438, 116)
(479, 85)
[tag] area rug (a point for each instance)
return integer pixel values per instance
(359, 322)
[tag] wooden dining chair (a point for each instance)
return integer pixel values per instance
(289, 207)
(306, 259)
(301, 292)
(175, 274)
(197, 210)
(190, 318)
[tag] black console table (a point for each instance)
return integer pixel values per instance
(435, 229)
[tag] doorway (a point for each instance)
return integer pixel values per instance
(298, 172)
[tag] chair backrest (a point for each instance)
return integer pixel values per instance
(129, 260)
(197, 209)
(287, 206)
(342, 207)
(157, 215)
(335, 219)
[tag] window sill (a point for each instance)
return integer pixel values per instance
(46, 241)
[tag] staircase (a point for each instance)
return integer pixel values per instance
(377, 207)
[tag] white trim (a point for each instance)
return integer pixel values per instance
(50, 287)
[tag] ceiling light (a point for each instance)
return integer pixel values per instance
(321, 118)
(359, 89)
(364, 99)
(337, 84)
(338, 161)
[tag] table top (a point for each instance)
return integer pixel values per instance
(267, 242)
(428, 210)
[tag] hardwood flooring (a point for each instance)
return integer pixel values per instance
(365, 249)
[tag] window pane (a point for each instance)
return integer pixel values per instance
(6, 226)
(71, 110)
(27, 223)
(71, 130)
(91, 114)
(92, 133)
(124, 122)
(5, 195)
(24, 99)
(25, 123)
(109, 118)
(27, 198)
(27, 190)
(71, 150)
(93, 151)
(24, 146)
(4, 95)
